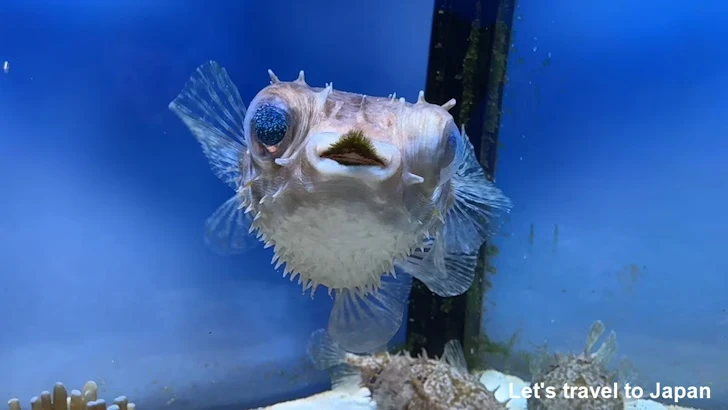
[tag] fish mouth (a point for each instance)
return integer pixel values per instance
(354, 149)
(352, 155)
(353, 159)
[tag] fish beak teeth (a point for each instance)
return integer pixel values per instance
(354, 148)
(360, 157)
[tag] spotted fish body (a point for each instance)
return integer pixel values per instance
(584, 369)
(403, 382)
(408, 198)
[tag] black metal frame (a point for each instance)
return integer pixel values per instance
(468, 54)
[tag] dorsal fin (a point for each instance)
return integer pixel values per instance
(595, 332)
(607, 349)
(454, 356)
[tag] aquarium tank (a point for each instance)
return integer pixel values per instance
(234, 204)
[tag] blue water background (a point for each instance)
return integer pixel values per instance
(104, 193)
(619, 139)
(615, 130)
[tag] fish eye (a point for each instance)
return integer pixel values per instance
(452, 147)
(270, 124)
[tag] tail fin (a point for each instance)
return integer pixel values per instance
(324, 352)
(361, 322)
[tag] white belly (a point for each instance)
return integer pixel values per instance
(342, 244)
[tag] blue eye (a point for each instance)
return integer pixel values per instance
(452, 146)
(270, 124)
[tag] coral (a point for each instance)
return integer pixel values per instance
(77, 400)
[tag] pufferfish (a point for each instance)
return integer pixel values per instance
(403, 382)
(354, 193)
(585, 369)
